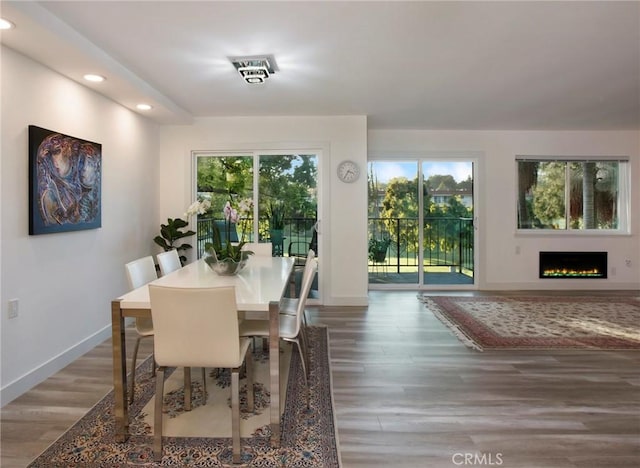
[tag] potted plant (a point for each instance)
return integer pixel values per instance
(276, 226)
(224, 256)
(171, 233)
(378, 249)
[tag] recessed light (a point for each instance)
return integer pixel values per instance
(144, 107)
(6, 24)
(94, 78)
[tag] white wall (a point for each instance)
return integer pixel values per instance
(343, 212)
(499, 266)
(64, 282)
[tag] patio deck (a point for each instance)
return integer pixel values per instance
(382, 277)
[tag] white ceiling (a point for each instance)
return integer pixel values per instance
(409, 65)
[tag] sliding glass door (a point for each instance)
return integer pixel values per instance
(421, 223)
(282, 187)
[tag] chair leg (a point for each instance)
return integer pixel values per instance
(204, 386)
(303, 360)
(187, 388)
(304, 336)
(249, 372)
(235, 414)
(305, 368)
(157, 428)
(304, 340)
(133, 368)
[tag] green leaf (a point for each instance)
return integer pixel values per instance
(171, 232)
(162, 243)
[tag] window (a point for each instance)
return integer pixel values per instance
(573, 194)
(284, 189)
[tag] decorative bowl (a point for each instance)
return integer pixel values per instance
(225, 266)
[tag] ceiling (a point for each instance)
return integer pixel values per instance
(406, 65)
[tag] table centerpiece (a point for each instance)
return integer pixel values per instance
(226, 257)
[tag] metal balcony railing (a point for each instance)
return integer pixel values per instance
(448, 242)
(298, 235)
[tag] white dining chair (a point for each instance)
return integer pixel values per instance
(290, 325)
(289, 305)
(198, 327)
(262, 249)
(169, 261)
(140, 272)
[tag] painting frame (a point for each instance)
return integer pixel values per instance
(65, 182)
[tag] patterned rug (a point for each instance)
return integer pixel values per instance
(485, 323)
(309, 436)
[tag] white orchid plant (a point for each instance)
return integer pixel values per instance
(198, 207)
(232, 216)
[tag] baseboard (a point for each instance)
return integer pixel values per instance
(25, 383)
(347, 301)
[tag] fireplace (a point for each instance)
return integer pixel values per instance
(573, 264)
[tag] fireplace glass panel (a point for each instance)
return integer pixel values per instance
(573, 264)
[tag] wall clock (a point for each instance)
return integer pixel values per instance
(348, 171)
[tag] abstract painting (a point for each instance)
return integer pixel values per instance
(65, 176)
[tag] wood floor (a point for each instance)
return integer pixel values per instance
(409, 394)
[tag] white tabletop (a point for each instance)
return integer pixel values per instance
(263, 280)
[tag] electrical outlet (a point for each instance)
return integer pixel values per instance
(13, 308)
(627, 262)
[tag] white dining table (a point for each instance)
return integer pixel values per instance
(259, 287)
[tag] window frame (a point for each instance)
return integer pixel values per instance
(623, 201)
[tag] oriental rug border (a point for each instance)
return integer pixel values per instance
(309, 435)
(537, 322)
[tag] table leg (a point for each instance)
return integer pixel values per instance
(187, 388)
(274, 370)
(121, 410)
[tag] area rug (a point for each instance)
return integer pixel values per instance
(509, 322)
(309, 437)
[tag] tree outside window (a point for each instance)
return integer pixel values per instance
(570, 195)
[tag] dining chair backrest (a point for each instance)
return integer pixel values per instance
(262, 249)
(307, 279)
(224, 229)
(169, 261)
(141, 272)
(311, 255)
(195, 327)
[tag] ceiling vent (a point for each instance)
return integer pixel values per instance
(255, 69)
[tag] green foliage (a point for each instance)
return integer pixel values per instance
(290, 178)
(276, 215)
(378, 248)
(172, 232)
(548, 195)
(225, 250)
(589, 199)
(398, 212)
(441, 182)
(224, 176)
